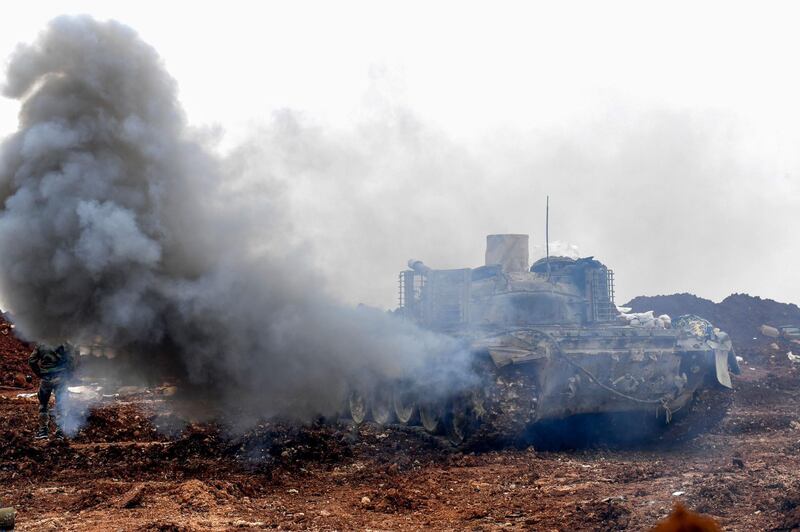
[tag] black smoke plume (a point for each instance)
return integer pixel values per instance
(119, 222)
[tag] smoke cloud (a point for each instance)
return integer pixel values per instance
(668, 198)
(119, 221)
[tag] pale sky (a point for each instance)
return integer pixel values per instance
(521, 63)
(479, 71)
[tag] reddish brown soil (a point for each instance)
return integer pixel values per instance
(14, 369)
(129, 470)
(137, 466)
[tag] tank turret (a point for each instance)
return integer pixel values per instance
(506, 291)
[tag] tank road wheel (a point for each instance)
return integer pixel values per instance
(382, 407)
(432, 416)
(357, 406)
(404, 407)
(461, 421)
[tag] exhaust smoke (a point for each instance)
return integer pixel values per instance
(118, 220)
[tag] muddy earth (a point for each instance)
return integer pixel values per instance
(136, 465)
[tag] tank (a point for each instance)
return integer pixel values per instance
(548, 346)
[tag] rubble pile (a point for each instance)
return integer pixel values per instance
(14, 369)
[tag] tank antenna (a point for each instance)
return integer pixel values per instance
(547, 235)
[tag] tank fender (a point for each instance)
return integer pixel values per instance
(721, 364)
(721, 343)
(503, 356)
(515, 348)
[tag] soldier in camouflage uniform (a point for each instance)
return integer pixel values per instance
(53, 366)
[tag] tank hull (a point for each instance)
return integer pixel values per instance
(531, 377)
(591, 370)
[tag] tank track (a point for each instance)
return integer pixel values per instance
(503, 407)
(501, 411)
(707, 409)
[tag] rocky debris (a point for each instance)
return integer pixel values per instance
(131, 498)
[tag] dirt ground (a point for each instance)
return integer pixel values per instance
(135, 467)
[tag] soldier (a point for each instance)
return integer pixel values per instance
(53, 366)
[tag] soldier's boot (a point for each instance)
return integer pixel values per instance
(44, 427)
(59, 433)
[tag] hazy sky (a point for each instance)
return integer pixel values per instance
(666, 134)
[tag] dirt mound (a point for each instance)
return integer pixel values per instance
(675, 305)
(119, 423)
(740, 315)
(13, 357)
(197, 495)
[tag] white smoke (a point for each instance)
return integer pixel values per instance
(558, 248)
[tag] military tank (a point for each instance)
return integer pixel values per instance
(548, 343)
